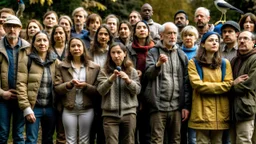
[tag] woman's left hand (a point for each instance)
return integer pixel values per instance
(125, 77)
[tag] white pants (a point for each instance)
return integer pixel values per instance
(77, 119)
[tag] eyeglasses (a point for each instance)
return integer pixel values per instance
(244, 38)
(12, 26)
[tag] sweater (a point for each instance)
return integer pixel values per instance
(115, 104)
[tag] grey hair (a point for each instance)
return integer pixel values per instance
(206, 11)
(171, 24)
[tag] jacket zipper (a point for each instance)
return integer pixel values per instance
(119, 81)
(217, 123)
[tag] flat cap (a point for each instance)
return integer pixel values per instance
(233, 24)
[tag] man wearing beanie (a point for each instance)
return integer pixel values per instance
(229, 32)
(180, 20)
(242, 97)
(12, 49)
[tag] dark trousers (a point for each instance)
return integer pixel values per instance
(143, 128)
(120, 130)
(60, 137)
(97, 132)
(165, 126)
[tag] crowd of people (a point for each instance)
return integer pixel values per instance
(92, 80)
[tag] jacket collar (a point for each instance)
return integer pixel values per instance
(67, 64)
(24, 45)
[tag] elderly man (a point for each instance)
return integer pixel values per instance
(12, 49)
(167, 94)
(243, 102)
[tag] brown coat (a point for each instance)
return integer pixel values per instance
(64, 74)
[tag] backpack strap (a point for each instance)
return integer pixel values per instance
(223, 69)
(29, 63)
(199, 69)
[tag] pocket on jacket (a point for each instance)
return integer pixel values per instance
(246, 107)
(149, 98)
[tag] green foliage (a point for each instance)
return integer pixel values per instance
(164, 10)
(121, 8)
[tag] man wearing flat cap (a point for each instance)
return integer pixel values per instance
(12, 49)
(229, 32)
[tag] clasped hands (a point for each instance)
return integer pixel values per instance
(76, 83)
(120, 74)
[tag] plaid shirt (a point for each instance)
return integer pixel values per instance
(44, 97)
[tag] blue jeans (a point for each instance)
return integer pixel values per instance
(10, 109)
(45, 115)
(191, 136)
(225, 137)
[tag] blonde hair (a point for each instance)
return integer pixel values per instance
(189, 29)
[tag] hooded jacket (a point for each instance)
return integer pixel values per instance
(28, 82)
(243, 95)
(210, 104)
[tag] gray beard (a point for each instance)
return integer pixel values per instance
(201, 25)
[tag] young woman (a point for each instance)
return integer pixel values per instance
(99, 51)
(125, 33)
(76, 79)
(59, 47)
(93, 22)
(248, 22)
(59, 41)
(211, 81)
(138, 51)
(119, 86)
(35, 77)
(67, 23)
(50, 19)
(33, 27)
(100, 46)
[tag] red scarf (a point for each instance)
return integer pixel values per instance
(142, 52)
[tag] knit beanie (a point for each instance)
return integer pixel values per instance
(206, 35)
